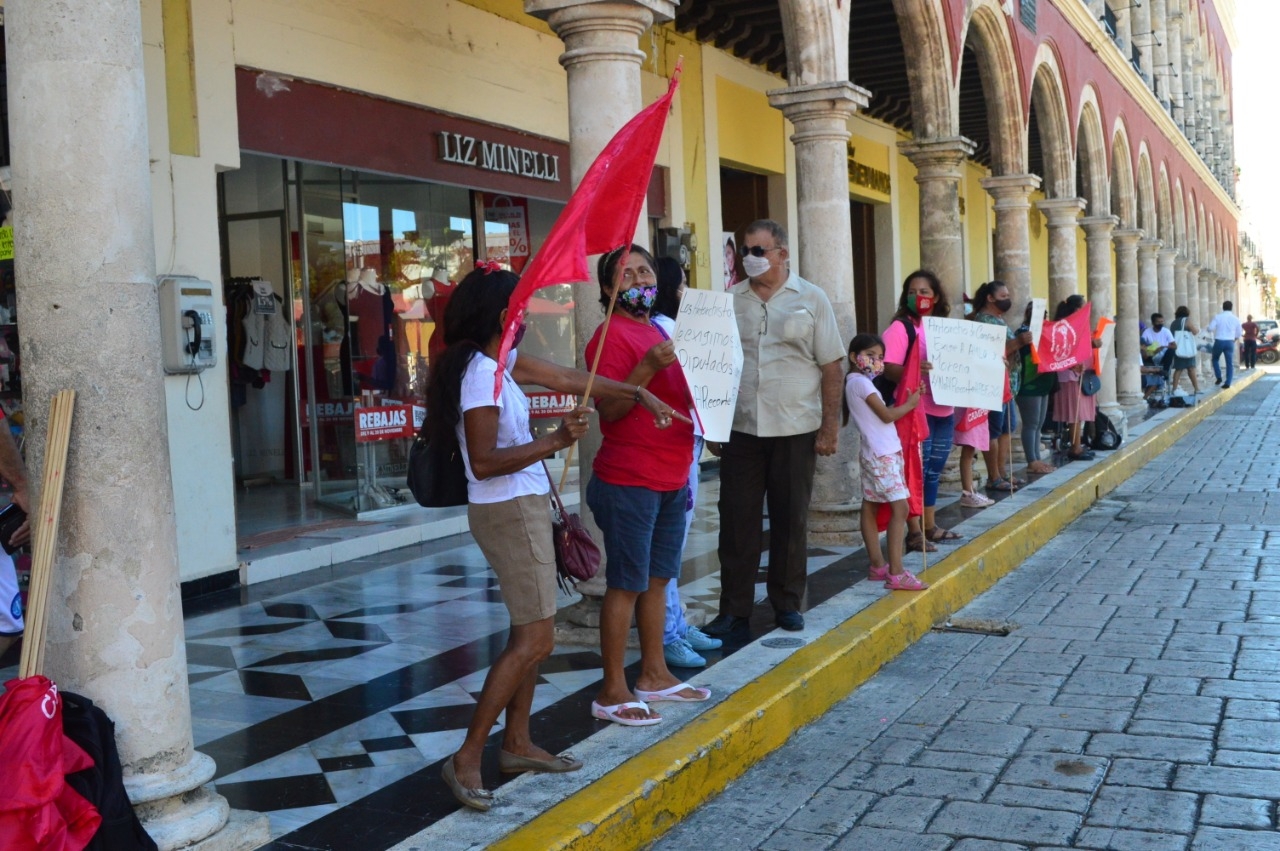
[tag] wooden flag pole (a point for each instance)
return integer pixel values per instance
(45, 530)
(595, 361)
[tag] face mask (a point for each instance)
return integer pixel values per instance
(921, 305)
(1158, 326)
(755, 266)
(637, 301)
(870, 367)
(1004, 304)
(519, 335)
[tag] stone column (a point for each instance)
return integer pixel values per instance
(1193, 294)
(1128, 358)
(1180, 296)
(1097, 235)
(1210, 305)
(820, 114)
(1148, 280)
(602, 64)
(939, 170)
(1160, 50)
(86, 271)
(1174, 29)
(1013, 236)
(1166, 277)
(1062, 216)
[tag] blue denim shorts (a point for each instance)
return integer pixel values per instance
(1002, 421)
(643, 532)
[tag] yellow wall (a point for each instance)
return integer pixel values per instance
(979, 222)
(872, 155)
(751, 131)
(442, 54)
(1039, 250)
(908, 213)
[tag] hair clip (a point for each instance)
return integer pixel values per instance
(489, 266)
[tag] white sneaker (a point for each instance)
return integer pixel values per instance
(973, 499)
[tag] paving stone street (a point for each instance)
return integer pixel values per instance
(1136, 706)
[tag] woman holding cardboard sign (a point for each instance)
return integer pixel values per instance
(922, 295)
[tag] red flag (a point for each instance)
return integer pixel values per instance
(601, 215)
(37, 807)
(912, 429)
(1066, 342)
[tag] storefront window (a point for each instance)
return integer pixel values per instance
(365, 264)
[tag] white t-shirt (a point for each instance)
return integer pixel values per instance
(1163, 337)
(1225, 326)
(879, 438)
(513, 430)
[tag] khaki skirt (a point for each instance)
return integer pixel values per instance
(515, 537)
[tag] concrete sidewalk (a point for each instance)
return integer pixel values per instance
(639, 783)
(1134, 707)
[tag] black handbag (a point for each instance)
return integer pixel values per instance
(437, 476)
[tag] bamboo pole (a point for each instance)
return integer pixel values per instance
(595, 362)
(45, 530)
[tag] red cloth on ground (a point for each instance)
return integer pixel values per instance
(38, 810)
(636, 452)
(912, 429)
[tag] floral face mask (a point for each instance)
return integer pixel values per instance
(868, 364)
(638, 301)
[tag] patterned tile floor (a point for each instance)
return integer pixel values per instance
(329, 700)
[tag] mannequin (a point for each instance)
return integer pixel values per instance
(369, 282)
(441, 290)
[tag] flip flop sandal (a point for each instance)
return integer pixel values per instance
(941, 535)
(1001, 485)
(612, 713)
(673, 694)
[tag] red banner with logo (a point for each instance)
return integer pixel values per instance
(1066, 342)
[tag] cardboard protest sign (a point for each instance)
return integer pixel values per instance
(968, 362)
(1066, 342)
(1039, 307)
(709, 352)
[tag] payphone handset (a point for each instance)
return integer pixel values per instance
(188, 341)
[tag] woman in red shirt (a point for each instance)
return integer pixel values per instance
(638, 492)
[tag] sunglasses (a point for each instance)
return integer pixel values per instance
(754, 250)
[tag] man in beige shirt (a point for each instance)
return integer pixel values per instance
(788, 413)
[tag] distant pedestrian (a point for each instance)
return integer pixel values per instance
(883, 473)
(1071, 405)
(990, 303)
(972, 437)
(1184, 360)
(1249, 357)
(1225, 328)
(1034, 392)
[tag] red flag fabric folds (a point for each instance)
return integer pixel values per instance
(601, 214)
(912, 430)
(37, 807)
(1066, 342)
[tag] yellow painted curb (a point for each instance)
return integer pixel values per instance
(642, 798)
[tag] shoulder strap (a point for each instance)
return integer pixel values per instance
(911, 336)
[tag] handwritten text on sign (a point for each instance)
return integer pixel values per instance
(710, 353)
(968, 362)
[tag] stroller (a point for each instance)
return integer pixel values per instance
(1156, 368)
